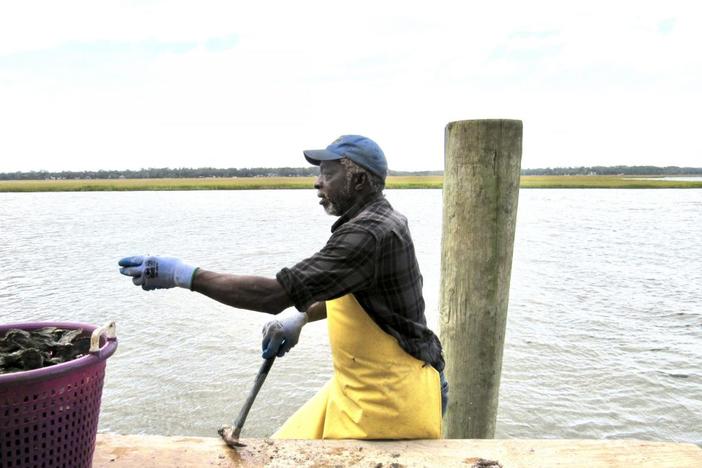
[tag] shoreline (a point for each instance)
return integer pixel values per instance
(278, 183)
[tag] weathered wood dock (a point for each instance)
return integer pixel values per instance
(142, 451)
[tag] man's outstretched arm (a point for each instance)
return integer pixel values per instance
(243, 292)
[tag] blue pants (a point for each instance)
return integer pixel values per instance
(444, 392)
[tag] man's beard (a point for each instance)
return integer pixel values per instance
(341, 203)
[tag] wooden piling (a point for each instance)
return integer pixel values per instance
(480, 194)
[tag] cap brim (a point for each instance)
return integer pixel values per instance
(315, 156)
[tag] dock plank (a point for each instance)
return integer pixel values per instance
(147, 451)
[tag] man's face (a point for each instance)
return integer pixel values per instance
(334, 188)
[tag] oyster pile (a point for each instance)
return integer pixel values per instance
(22, 350)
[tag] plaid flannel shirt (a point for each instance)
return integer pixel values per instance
(370, 254)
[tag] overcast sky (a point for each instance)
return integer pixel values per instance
(88, 85)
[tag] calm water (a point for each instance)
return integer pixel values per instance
(604, 336)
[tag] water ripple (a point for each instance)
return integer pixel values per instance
(604, 332)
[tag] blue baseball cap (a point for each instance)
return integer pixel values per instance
(359, 149)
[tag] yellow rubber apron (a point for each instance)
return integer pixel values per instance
(378, 391)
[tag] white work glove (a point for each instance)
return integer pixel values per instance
(157, 272)
(282, 333)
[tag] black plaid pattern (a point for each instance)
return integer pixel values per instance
(370, 254)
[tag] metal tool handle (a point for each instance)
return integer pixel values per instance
(260, 378)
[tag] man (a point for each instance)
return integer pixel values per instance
(366, 282)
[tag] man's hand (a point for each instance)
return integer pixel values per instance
(282, 333)
(157, 272)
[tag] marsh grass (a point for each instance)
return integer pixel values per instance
(617, 182)
(254, 183)
(248, 183)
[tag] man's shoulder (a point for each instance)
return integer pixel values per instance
(379, 217)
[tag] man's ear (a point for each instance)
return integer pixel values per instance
(361, 181)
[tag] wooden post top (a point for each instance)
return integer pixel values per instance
(142, 451)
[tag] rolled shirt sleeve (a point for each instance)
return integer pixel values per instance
(345, 264)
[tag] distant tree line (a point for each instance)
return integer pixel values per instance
(183, 172)
(166, 172)
(615, 170)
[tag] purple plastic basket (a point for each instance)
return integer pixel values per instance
(49, 416)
